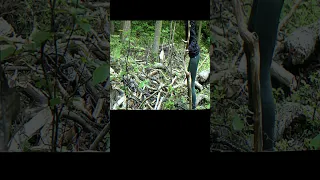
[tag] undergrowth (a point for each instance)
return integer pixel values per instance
(228, 114)
(136, 58)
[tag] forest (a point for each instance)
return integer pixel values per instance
(295, 77)
(54, 76)
(147, 65)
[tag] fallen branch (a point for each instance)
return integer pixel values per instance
(160, 87)
(36, 94)
(284, 76)
(98, 108)
(173, 80)
(78, 119)
(276, 70)
(198, 85)
(159, 106)
(156, 106)
(104, 131)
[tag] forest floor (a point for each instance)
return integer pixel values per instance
(297, 110)
(141, 81)
(78, 77)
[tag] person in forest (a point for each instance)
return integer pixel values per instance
(264, 20)
(194, 54)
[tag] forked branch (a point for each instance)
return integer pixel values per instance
(253, 43)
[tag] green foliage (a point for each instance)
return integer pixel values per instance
(84, 25)
(143, 32)
(40, 36)
(117, 46)
(41, 83)
(218, 93)
(183, 100)
(309, 94)
(30, 47)
(315, 143)
(307, 13)
(54, 101)
(231, 112)
(237, 123)
(76, 11)
(144, 83)
(8, 51)
(141, 40)
(278, 94)
(101, 73)
(169, 104)
(26, 146)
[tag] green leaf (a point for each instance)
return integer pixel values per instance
(41, 83)
(141, 85)
(30, 47)
(315, 142)
(38, 84)
(122, 73)
(84, 25)
(237, 123)
(84, 20)
(75, 2)
(101, 74)
(54, 101)
(8, 51)
(40, 36)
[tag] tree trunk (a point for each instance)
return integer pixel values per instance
(199, 32)
(126, 25)
(111, 27)
(157, 34)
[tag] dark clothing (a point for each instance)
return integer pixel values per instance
(192, 68)
(264, 20)
(193, 44)
(194, 54)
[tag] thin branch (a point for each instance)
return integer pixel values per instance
(104, 131)
(289, 15)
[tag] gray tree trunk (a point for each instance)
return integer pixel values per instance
(126, 25)
(157, 34)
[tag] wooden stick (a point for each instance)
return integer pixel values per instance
(160, 87)
(147, 103)
(98, 108)
(155, 107)
(101, 135)
(159, 106)
(186, 70)
(253, 42)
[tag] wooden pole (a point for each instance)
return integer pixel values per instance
(188, 75)
(253, 43)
